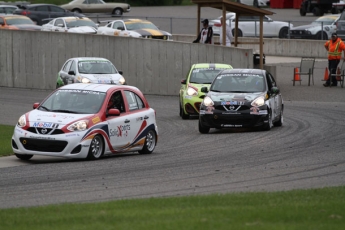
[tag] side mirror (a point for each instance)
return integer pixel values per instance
(114, 112)
(275, 90)
(183, 82)
(120, 72)
(71, 72)
(35, 105)
(204, 89)
(121, 28)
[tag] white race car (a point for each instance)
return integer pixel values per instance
(134, 28)
(72, 25)
(89, 70)
(87, 121)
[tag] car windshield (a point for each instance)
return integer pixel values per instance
(19, 21)
(80, 22)
(140, 25)
(239, 82)
(74, 101)
(323, 21)
(203, 75)
(96, 67)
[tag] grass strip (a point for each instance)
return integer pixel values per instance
(299, 209)
(6, 132)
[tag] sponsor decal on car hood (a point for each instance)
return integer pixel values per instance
(235, 96)
(44, 119)
(83, 29)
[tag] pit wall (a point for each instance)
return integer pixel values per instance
(32, 59)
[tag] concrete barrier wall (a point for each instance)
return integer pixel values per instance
(32, 59)
(276, 46)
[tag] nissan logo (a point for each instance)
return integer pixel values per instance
(43, 131)
(231, 107)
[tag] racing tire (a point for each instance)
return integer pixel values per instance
(284, 32)
(150, 143)
(280, 120)
(321, 36)
(184, 115)
(267, 126)
(302, 12)
(96, 149)
(24, 157)
(117, 12)
(203, 129)
(78, 11)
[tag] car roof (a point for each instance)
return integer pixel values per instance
(242, 71)
(211, 65)
(96, 87)
(135, 20)
(90, 58)
(13, 16)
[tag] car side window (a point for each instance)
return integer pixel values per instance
(109, 25)
(116, 102)
(134, 101)
(56, 9)
(270, 80)
(42, 8)
(73, 67)
(85, 2)
(67, 66)
(2, 10)
(1, 21)
(117, 25)
(58, 21)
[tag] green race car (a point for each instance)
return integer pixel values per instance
(199, 75)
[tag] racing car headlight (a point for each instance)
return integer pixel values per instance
(21, 121)
(208, 101)
(78, 126)
(122, 80)
(260, 101)
(85, 80)
(191, 91)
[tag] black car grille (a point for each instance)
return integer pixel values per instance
(238, 120)
(231, 107)
(44, 131)
(299, 32)
(43, 145)
(162, 37)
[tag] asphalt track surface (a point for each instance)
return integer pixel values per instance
(306, 152)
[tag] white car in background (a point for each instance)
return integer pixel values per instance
(256, 3)
(249, 26)
(89, 70)
(7, 9)
(82, 25)
(137, 28)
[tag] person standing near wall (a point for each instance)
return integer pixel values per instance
(228, 34)
(206, 34)
(334, 46)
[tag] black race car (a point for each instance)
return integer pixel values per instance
(241, 98)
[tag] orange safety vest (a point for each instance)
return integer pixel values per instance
(334, 49)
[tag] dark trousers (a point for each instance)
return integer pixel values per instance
(332, 66)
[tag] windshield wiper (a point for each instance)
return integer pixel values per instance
(64, 111)
(43, 107)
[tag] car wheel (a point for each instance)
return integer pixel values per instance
(78, 11)
(283, 33)
(24, 157)
(239, 33)
(150, 143)
(203, 129)
(183, 114)
(302, 12)
(96, 148)
(321, 36)
(267, 126)
(117, 12)
(280, 121)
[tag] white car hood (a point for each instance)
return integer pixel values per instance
(44, 119)
(83, 29)
(103, 78)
